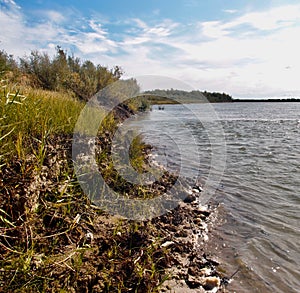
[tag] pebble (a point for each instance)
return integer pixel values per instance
(274, 269)
(89, 236)
(202, 208)
(205, 238)
(197, 188)
(190, 198)
(209, 283)
(205, 272)
(167, 243)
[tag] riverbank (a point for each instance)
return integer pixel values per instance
(60, 240)
(53, 237)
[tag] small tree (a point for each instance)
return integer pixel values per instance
(7, 63)
(38, 67)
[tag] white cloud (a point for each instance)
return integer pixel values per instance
(11, 3)
(231, 11)
(270, 20)
(94, 40)
(248, 62)
(274, 18)
(12, 29)
(54, 16)
(98, 31)
(163, 29)
(213, 29)
(141, 24)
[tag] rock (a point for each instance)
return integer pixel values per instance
(205, 237)
(209, 283)
(193, 282)
(190, 198)
(198, 221)
(203, 208)
(178, 248)
(168, 287)
(205, 272)
(197, 188)
(167, 243)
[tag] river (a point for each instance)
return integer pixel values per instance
(258, 184)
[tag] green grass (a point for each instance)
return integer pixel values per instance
(44, 215)
(30, 117)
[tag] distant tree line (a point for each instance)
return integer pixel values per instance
(215, 97)
(267, 100)
(62, 72)
(179, 96)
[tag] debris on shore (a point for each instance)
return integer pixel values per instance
(190, 268)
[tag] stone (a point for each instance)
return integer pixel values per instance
(193, 282)
(197, 188)
(190, 198)
(205, 272)
(167, 244)
(209, 283)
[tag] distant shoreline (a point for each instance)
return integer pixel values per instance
(167, 101)
(266, 100)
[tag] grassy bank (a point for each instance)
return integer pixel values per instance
(52, 239)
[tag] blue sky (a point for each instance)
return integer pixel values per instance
(244, 48)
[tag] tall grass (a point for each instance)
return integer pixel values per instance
(31, 116)
(46, 220)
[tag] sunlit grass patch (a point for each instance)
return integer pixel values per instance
(29, 117)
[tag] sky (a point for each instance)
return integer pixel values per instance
(244, 48)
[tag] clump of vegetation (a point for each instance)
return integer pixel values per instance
(52, 238)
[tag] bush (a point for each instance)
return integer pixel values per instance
(67, 73)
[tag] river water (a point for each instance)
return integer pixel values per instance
(258, 183)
